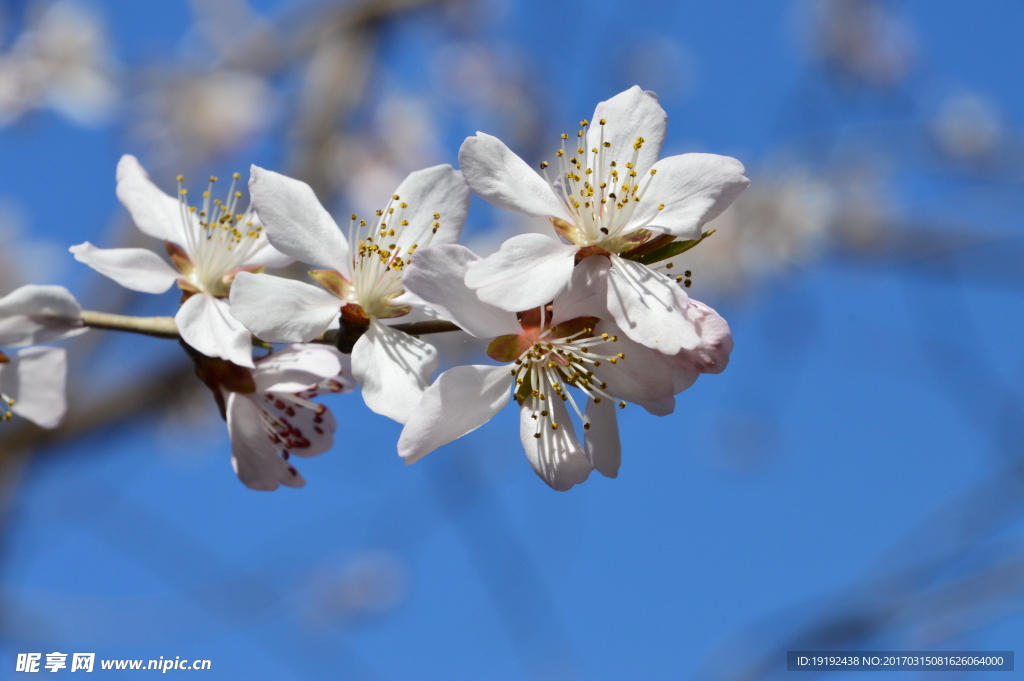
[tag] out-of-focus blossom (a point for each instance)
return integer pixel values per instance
(61, 61)
(401, 138)
(968, 128)
(270, 412)
(363, 280)
(489, 86)
(208, 247)
(543, 352)
(369, 585)
(862, 40)
(779, 222)
(195, 116)
(610, 197)
(32, 381)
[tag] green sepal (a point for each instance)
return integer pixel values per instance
(671, 250)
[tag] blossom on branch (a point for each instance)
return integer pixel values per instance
(361, 280)
(32, 381)
(543, 353)
(208, 246)
(610, 197)
(270, 411)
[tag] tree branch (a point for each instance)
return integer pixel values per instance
(164, 327)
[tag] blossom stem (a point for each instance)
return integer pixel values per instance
(161, 327)
(164, 327)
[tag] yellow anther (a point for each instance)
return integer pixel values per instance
(564, 136)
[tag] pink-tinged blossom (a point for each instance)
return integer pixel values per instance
(607, 195)
(208, 244)
(361, 279)
(554, 359)
(270, 411)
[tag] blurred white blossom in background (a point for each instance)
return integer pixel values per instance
(864, 40)
(63, 61)
(968, 127)
(190, 117)
(368, 585)
(781, 220)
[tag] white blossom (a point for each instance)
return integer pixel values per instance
(62, 61)
(610, 197)
(208, 245)
(544, 352)
(362, 279)
(270, 413)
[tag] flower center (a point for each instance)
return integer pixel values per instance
(218, 238)
(378, 257)
(550, 365)
(601, 194)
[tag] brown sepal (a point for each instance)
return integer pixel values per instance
(589, 251)
(353, 324)
(229, 278)
(4, 359)
(566, 229)
(220, 374)
(332, 281)
(508, 348)
(179, 258)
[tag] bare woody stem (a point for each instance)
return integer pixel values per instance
(164, 327)
(161, 327)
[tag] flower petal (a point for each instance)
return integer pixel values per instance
(206, 324)
(439, 190)
(296, 368)
(280, 310)
(504, 179)
(528, 270)
(135, 268)
(394, 369)
(437, 277)
(35, 378)
(695, 189)
(642, 377)
(711, 356)
(628, 115)
(461, 400)
(296, 223)
(300, 431)
(38, 314)
(270, 257)
(154, 212)
(648, 307)
(586, 295)
(601, 440)
(556, 456)
(253, 456)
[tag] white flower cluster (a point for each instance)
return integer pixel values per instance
(579, 322)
